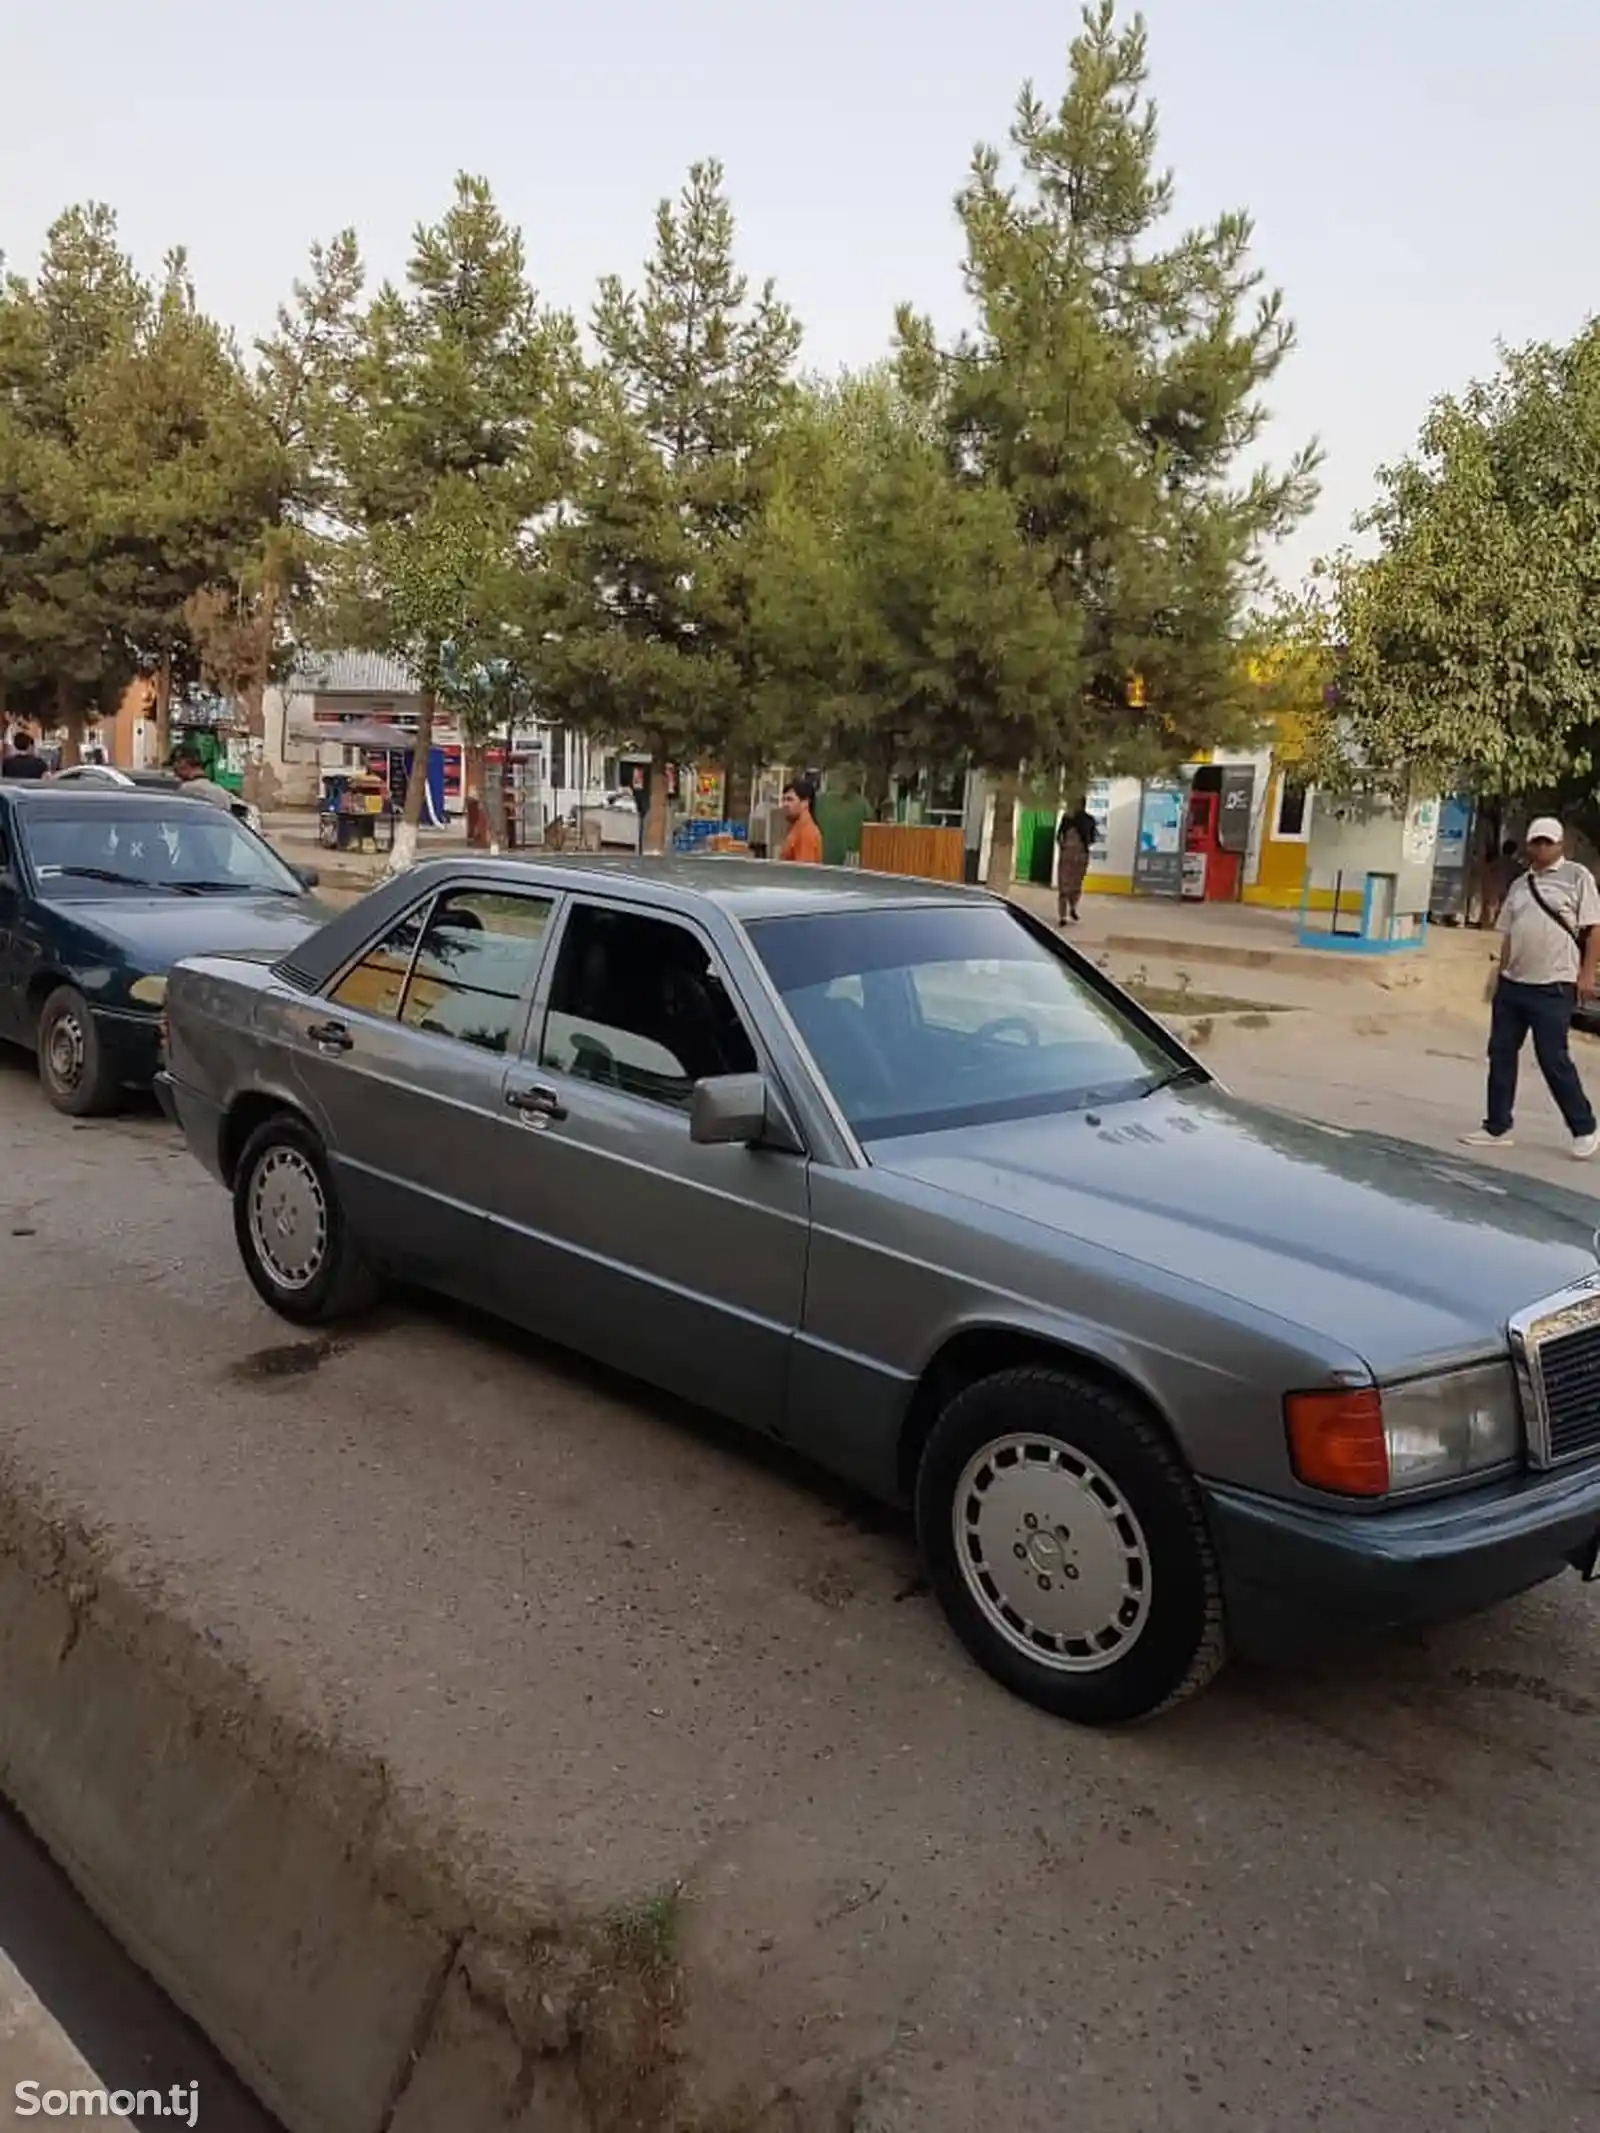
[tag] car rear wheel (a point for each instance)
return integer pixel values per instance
(74, 1071)
(1066, 1542)
(293, 1237)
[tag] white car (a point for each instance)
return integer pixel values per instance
(146, 781)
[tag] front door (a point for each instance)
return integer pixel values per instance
(618, 1234)
(403, 1064)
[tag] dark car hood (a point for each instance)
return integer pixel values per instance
(158, 931)
(1398, 1253)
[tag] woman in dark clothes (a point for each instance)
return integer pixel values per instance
(1075, 835)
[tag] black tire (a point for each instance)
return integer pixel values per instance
(1159, 1568)
(340, 1281)
(74, 1072)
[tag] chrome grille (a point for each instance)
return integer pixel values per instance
(1570, 1368)
(1556, 1347)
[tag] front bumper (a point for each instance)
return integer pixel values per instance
(132, 1042)
(1294, 1573)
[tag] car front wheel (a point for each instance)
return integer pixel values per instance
(74, 1071)
(293, 1237)
(1066, 1542)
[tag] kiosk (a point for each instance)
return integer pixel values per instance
(1369, 875)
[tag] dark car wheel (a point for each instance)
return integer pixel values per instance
(293, 1237)
(1066, 1542)
(74, 1071)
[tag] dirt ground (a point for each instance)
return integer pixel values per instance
(653, 1666)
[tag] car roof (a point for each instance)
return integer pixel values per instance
(747, 889)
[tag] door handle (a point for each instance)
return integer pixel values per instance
(330, 1037)
(537, 1103)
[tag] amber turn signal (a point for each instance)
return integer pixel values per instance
(1336, 1441)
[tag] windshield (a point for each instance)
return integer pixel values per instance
(926, 1018)
(182, 848)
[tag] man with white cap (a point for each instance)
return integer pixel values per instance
(1549, 955)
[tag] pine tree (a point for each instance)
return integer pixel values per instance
(900, 617)
(451, 438)
(1111, 388)
(694, 377)
(133, 467)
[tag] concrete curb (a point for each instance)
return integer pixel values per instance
(340, 1945)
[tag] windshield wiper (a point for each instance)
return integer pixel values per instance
(1174, 1078)
(119, 881)
(236, 888)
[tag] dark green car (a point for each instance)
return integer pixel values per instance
(101, 892)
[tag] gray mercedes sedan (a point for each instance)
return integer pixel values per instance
(887, 1172)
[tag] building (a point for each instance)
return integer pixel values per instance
(343, 709)
(1281, 810)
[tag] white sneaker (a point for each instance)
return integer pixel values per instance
(1584, 1146)
(1483, 1138)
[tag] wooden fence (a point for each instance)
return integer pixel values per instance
(899, 848)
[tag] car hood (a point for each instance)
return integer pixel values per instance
(158, 931)
(1400, 1254)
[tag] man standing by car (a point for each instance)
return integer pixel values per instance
(1549, 958)
(24, 761)
(191, 775)
(804, 841)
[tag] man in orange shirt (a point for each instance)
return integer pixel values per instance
(804, 841)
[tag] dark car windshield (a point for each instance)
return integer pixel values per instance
(928, 1017)
(183, 847)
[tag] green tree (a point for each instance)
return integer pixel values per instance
(900, 617)
(1111, 387)
(1469, 642)
(62, 650)
(246, 626)
(693, 381)
(134, 465)
(181, 477)
(450, 441)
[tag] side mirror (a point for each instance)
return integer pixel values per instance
(737, 1111)
(308, 877)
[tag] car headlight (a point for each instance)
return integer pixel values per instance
(1384, 1441)
(1441, 1429)
(149, 992)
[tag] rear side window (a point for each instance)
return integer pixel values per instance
(464, 977)
(375, 985)
(476, 961)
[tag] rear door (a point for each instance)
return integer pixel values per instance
(402, 1062)
(614, 1231)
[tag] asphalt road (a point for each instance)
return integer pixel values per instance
(634, 1653)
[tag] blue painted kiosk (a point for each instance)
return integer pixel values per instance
(1369, 876)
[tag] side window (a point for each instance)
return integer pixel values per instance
(374, 985)
(476, 960)
(638, 1005)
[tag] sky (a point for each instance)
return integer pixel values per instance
(1422, 173)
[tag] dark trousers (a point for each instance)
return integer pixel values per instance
(1545, 1011)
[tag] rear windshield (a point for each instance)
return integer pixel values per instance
(933, 1016)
